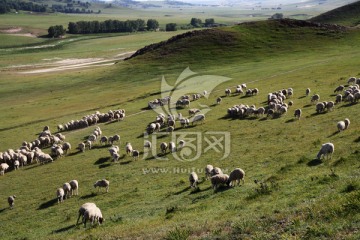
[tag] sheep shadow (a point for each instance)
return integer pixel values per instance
(74, 153)
(182, 191)
(104, 165)
(333, 134)
(290, 120)
(125, 163)
(347, 105)
(102, 160)
(357, 140)
(88, 196)
(2, 210)
(314, 162)
(222, 189)
(65, 229)
(48, 204)
(308, 105)
(302, 97)
(33, 166)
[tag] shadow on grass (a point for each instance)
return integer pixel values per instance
(102, 160)
(104, 165)
(88, 196)
(74, 153)
(182, 191)
(302, 97)
(222, 189)
(33, 166)
(290, 120)
(2, 210)
(47, 204)
(308, 105)
(357, 140)
(333, 134)
(64, 229)
(348, 105)
(314, 162)
(125, 163)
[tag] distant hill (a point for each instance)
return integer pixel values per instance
(348, 15)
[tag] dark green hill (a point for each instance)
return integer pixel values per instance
(348, 15)
(242, 42)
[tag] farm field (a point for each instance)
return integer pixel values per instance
(288, 193)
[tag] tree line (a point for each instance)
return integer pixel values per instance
(8, 5)
(111, 26)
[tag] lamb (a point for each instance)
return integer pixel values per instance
(3, 168)
(67, 189)
(193, 179)
(74, 187)
(11, 201)
(297, 113)
(93, 214)
(219, 179)
(235, 176)
(163, 147)
(60, 195)
(198, 118)
(172, 147)
(307, 92)
(102, 183)
(83, 209)
(208, 170)
(315, 98)
(326, 151)
(218, 100)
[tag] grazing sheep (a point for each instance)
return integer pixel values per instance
(147, 144)
(219, 179)
(351, 80)
(320, 107)
(297, 113)
(104, 140)
(326, 151)
(193, 179)
(184, 122)
(67, 189)
(198, 118)
(307, 91)
(93, 214)
(339, 89)
(215, 171)
(3, 168)
(193, 111)
(74, 187)
(218, 100)
(208, 170)
(338, 99)
(347, 123)
(181, 144)
(243, 85)
(341, 126)
(66, 147)
(163, 147)
(330, 105)
(128, 148)
(102, 184)
(60, 195)
(315, 98)
(172, 147)
(170, 129)
(227, 92)
(235, 176)
(135, 154)
(81, 147)
(11, 201)
(83, 209)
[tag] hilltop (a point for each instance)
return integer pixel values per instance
(345, 15)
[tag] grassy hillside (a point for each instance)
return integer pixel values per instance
(346, 15)
(301, 198)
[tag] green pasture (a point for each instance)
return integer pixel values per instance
(150, 198)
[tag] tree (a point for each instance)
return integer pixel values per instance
(209, 22)
(277, 16)
(196, 22)
(56, 31)
(171, 27)
(152, 24)
(73, 28)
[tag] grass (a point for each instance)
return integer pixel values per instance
(151, 198)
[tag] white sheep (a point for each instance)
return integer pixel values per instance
(235, 176)
(147, 144)
(81, 147)
(60, 195)
(67, 189)
(330, 105)
(307, 91)
(339, 89)
(184, 122)
(3, 168)
(320, 107)
(83, 209)
(93, 214)
(208, 170)
(102, 184)
(11, 201)
(135, 154)
(326, 150)
(128, 148)
(193, 179)
(219, 179)
(181, 144)
(74, 187)
(227, 92)
(340, 126)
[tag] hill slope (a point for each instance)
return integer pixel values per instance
(345, 15)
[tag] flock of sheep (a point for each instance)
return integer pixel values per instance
(30, 152)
